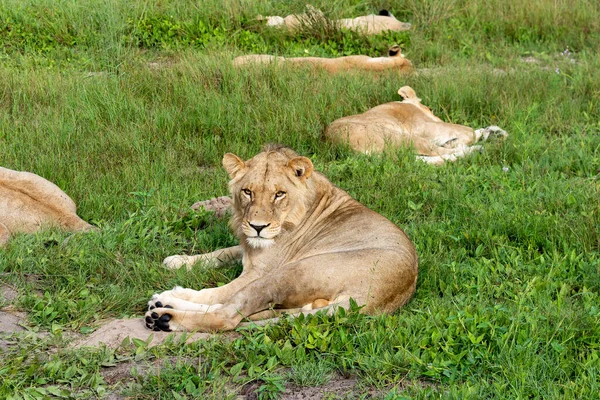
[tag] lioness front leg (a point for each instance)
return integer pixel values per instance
(199, 300)
(214, 259)
(189, 299)
(181, 299)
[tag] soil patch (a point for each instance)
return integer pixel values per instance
(337, 388)
(7, 294)
(114, 332)
(10, 322)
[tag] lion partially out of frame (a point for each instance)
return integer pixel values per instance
(408, 123)
(305, 245)
(29, 202)
(394, 60)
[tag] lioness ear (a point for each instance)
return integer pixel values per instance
(302, 166)
(233, 164)
(394, 51)
(407, 93)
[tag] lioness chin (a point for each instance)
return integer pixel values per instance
(304, 244)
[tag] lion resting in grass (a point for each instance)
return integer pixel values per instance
(408, 123)
(29, 202)
(366, 25)
(394, 60)
(304, 244)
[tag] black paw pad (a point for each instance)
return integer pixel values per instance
(165, 318)
(158, 323)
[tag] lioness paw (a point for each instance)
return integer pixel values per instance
(483, 133)
(176, 262)
(159, 320)
(155, 302)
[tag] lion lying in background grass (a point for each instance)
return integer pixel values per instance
(367, 24)
(304, 244)
(408, 123)
(395, 60)
(29, 202)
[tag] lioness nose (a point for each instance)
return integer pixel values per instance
(258, 228)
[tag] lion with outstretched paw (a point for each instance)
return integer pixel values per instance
(408, 123)
(29, 202)
(305, 245)
(394, 60)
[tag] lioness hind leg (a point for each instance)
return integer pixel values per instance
(277, 312)
(453, 156)
(168, 319)
(219, 319)
(483, 133)
(330, 309)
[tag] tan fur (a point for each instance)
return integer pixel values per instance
(305, 245)
(29, 202)
(395, 61)
(367, 24)
(407, 123)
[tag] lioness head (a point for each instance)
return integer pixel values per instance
(395, 51)
(409, 96)
(270, 193)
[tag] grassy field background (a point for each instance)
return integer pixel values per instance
(129, 106)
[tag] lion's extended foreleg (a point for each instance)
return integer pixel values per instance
(214, 259)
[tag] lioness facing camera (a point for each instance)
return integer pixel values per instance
(304, 244)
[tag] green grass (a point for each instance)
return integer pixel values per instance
(129, 107)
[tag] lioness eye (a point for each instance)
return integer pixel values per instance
(279, 194)
(247, 192)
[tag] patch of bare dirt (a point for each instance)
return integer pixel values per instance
(220, 205)
(8, 294)
(337, 388)
(11, 322)
(113, 333)
(123, 372)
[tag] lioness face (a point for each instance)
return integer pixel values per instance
(269, 194)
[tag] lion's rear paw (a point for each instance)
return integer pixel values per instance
(492, 130)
